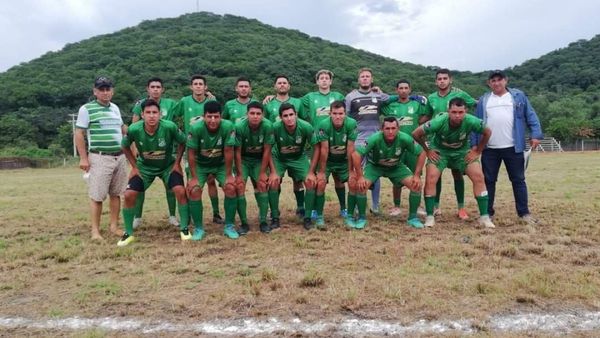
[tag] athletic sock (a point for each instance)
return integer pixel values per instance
(262, 199)
(361, 202)
(241, 209)
(230, 207)
(309, 201)
(184, 216)
(397, 202)
(351, 203)
(139, 204)
(482, 203)
(341, 194)
(438, 192)
(414, 199)
(429, 205)
(195, 209)
(274, 203)
(299, 199)
(320, 204)
(459, 190)
(128, 214)
(171, 201)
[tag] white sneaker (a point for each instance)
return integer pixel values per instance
(395, 211)
(137, 222)
(173, 221)
(437, 211)
(486, 222)
(421, 212)
(429, 221)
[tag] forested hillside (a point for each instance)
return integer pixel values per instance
(38, 96)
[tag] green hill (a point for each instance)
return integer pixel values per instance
(38, 96)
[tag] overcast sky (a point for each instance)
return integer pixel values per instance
(471, 35)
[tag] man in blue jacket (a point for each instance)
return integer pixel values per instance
(508, 113)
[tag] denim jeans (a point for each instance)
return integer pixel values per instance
(491, 159)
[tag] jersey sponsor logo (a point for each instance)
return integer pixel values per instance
(154, 155)
(195, 120)
(212, 153)
(289, 149)
(337, 150)
(367, 110)
(254, 149)
(389, 162)
(455, 145)
(405, 121)
(322, 111)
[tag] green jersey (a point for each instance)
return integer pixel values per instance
(166, 108)
(437, 104)
(190, 110)
(290, 146)
(316, 105)
(156, 152)
(234, 110)
(337, 138)
(388, 155)
(272, 108)
(444, 137)
(252, 141)
(407, 114)
(210, 147)
(103, 125)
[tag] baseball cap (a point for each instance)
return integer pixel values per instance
(103, 81)
(497, 72)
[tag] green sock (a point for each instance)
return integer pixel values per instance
(184, 216)
(262, 199)
(139, 204)
(214, 201)
(361, 202)
(300, 199)
(351, 204)
(459, 190)
(397, 202)
(241, 209)
(128, 214)
(320, 204)
(230, 207)
(438, 192)
(429, 205)
(171, 201)
(274, 203)
(482, 203)
(195, 209)
(341, 194)
(309, 202)
(414, 199)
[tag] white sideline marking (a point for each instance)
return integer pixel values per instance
(557, 323)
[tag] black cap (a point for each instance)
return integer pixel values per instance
(495, 73)
(103, 81)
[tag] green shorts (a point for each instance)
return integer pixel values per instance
(297, 169)
(148, 177)
(251, 168)
(203, 172)
(452, 160)
(340, 170)
(396, 175)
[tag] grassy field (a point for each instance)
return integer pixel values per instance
(51, 269)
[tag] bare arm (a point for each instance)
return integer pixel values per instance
(79, 137)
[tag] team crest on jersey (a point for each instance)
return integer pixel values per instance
(462, 136)
(344, 138)
(260, 138)
(219, 141)
(374, 99)
(398, 151)
(161, 142)
(411, 110)
(141, 143)
(298, 139)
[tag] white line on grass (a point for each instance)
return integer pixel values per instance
(556, 323)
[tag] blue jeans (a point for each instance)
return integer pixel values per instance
(491, 159)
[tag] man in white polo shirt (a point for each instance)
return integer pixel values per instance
(508, 113)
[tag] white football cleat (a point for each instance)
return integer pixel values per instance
(173, 221)
(137, 222)
(486, 222)
(429, 221)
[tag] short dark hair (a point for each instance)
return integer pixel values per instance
(242, 78)
(154, 79)
(212, 107)
(458, 102)
(337, 104)
(150, 102)
(279, 76)
(443, 71)
(255, 104)
(286, 106)
(196, 77)
(389, 119)
(402, 81)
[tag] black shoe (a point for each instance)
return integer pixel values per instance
(300, 213)
(244, 229)
(217, 219)
(308, 223)
(265, 228)
(275, 223)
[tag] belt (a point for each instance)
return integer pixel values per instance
(117, 153)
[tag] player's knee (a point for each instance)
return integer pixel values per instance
(195, 193)
(130, 197)
(240, 189)
(309, 185)
(229, 190)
